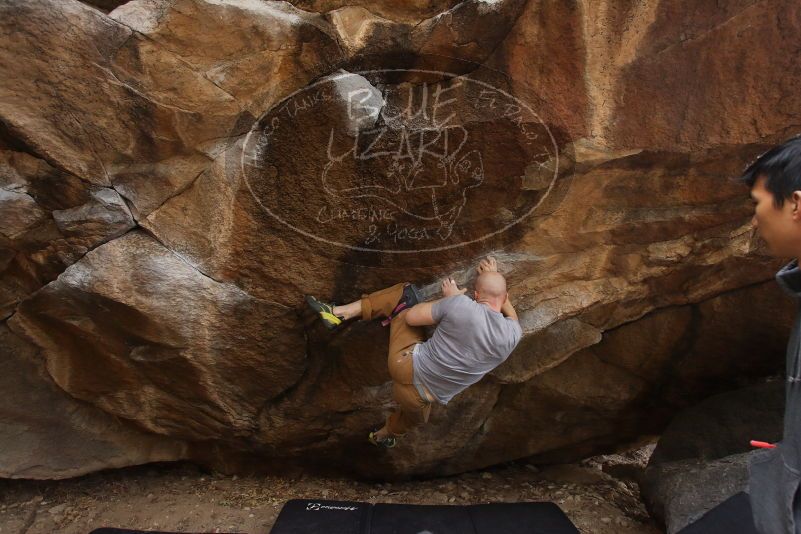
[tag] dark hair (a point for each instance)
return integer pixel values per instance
(781, 166)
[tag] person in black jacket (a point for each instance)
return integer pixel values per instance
(774, 474)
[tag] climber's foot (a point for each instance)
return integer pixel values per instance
(325, 312)
(381, 438)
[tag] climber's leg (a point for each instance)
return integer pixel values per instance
(413, 408)
(350, 310)
(377, 304)
(402, 338)
(381, 303)
(371, 305)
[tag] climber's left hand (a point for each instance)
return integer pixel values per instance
(449, 288)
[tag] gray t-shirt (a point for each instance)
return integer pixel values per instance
(470, 341)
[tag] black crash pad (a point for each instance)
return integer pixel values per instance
(109, 530)
(732, 516)
(300, 516)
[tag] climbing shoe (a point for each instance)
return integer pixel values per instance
(387, 442)
(411, 296)
(326, 313)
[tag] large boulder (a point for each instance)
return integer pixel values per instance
(686, 489)
(176, 174)
(701, 458)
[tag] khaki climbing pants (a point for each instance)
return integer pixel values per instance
(413, 408)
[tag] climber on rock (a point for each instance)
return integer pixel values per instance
(471, 338)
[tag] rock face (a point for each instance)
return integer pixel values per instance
(176, 174)
(180, 354)
(48, 434)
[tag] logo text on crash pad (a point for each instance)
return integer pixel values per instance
(315, 506)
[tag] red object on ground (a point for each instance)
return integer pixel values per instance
(762, 444)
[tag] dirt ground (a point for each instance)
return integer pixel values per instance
(183, 498)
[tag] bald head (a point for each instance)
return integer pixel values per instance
(491, 285)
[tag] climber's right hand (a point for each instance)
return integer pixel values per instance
(487, 265)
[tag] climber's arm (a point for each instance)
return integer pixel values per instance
(508, 310)
(423, 314)
(420, 314)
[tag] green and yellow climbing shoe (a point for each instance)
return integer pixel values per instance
(387, 442)
(326, 313)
